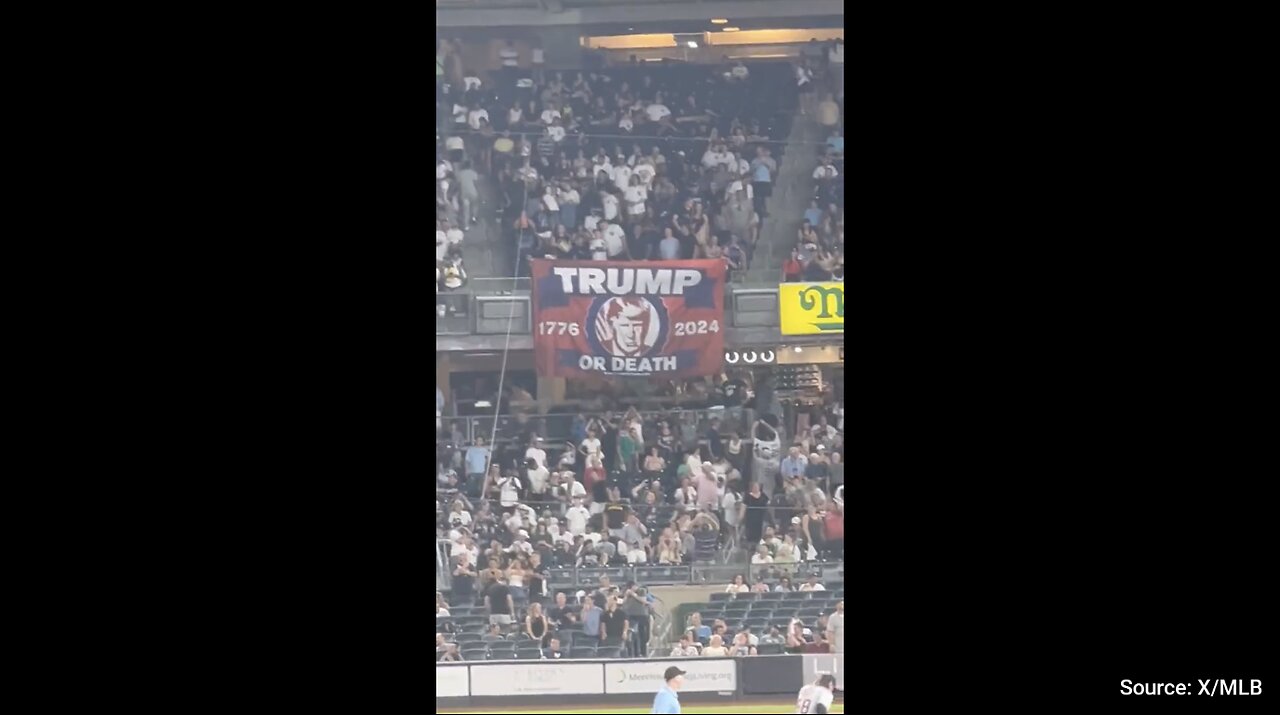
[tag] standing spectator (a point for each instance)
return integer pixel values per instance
(636, 608)
(477, 458)
(756, 502)
(835, 629)
(591, 614)
(763, 169)
(464, 578)
(498, 601)
(614, 626)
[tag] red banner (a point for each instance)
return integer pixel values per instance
(655, 319)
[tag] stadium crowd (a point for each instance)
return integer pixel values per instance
(629, 488)
(625, 163)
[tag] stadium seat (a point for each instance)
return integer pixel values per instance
(583, 651)
(531, 651)
(717, 597)
(751, 596)
(502, 651)
(770, 649)
(491, 639)
(796, 595)
(772, 596)
(462, 638)
(474, 653)
(612, 651)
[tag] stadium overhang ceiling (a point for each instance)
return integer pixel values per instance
(618, 16)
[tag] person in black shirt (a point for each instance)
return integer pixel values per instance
(464, 579)
(537, 578)
(615, 512)
(554, 652)
(499, 603)
(614, 625)
(563, 613)
(756, 502)
(713, 439)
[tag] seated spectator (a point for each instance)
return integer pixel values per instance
(450, 654)
(742, 646)
(685, 648)
(442, 607)
(554, 651)
(761, 556)
(715, 648)
(773, 637)
(784, 585)
(739, 585)
(696, 627)
(812, 584)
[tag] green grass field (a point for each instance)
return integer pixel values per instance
(778, 708)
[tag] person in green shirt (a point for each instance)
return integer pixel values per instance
(628, 448)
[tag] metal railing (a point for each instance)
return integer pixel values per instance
(557, 427)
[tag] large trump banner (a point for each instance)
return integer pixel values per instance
(656, 319)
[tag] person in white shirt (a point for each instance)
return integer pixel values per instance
(739, 585)
(622, 177)
(453, 233)
(825, 171)
(444, 168)
(471, 82)
(636, 195)
(556, 132)
(442, 244)
(591, 443)
(657, 111)
(577, 517)
(761, 556)
(539, 477)
(614, 240)
(646, 172)
(550, 114)
(812, 585)
(509, 55)
(459, 516)
(536, 452)
(454, 143)
(515, 115)
(626, 124)
(591, 222)
(740, 71)
(598, 247)
(509, 488)
(475, 115)
(816, 697)
(610, 204)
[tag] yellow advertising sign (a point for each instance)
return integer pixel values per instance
(811, 308)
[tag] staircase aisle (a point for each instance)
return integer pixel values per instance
(792, 192)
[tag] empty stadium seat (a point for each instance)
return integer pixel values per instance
(612, 651)
(583, 651)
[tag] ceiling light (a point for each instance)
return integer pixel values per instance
(729, 29)
(719, 21)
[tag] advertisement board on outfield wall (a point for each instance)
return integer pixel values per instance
(701, 676)
(537, 678)
(452, 681)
